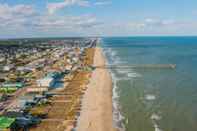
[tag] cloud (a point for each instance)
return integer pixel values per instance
(158, 23)
(7, 12)
(150, 23)
(26, 17)
(163, 27)
(25, 10)
(15, 15)
(101, 3)
(50, 22)
(53, 7)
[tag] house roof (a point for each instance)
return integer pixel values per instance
(13, 85)
(52, 74)
(6, 122)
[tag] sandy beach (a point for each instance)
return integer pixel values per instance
(96, 114)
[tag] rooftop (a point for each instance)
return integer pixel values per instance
(6, 122)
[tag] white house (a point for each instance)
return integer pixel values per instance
(68, 61)
(68, 67)
(75, 59)
(45, 82)
(2, 59)
(8, 67)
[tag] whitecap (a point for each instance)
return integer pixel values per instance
(113, 59)
(156, 117)
(133, 75)
(150, 97)
(113, 53)
(157, 127)
(117, 116)
(123, 71)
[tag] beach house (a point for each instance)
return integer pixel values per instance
(10, 87)
(6, 123)
(7, 68)
(48, 80)
(45, 82)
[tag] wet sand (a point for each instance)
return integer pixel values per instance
(96, 113)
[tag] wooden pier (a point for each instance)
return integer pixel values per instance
(140, 66)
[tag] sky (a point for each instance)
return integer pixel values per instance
(65, 18)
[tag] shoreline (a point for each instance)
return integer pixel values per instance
(97, 108)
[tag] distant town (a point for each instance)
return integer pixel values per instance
(42, 82)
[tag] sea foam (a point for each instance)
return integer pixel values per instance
(113, 59)
(155, 117)
(133, 75)
(150, 97)
(117, 116)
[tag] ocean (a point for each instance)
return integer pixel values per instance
(153, 99)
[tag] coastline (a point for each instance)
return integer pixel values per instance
(96, 113)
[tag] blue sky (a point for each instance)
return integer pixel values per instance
(43, 18)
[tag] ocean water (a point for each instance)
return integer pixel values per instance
(154, 99)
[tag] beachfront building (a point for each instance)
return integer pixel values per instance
(48, 80)
(45, 82)
(53, 74)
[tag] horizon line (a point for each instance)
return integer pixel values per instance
(48, 37)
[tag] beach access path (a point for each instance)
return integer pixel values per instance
(96, 113)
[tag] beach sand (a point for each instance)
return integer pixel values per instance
(96, 113)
